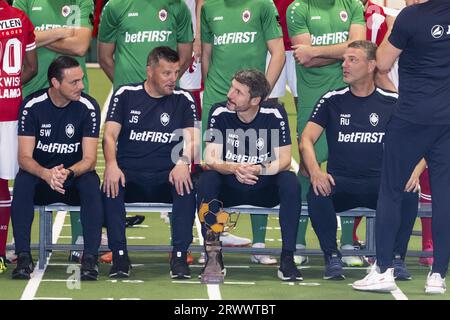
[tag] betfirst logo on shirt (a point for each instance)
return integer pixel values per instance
(49, 26)
(62, 148)
(243, 158)
(361, 137)
(148, 36)
(235, 37)
(152, 136)
(329, 38)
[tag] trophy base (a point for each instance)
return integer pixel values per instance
(212, 278)
(212, 273)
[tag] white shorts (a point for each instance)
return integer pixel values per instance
(287, 77)
(8, 150)
(192, 77)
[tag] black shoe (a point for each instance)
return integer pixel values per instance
(134, 220)
(89, 267)
(179, 268)
(400, 271)
(25, 266)
(121, 266)
(219, 259)
(76, 256)
(288, 270)
(333, 268)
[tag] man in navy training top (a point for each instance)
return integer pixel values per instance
(419, 128)
(144, 126)
(354, 119)
(249, 155)
(58, 136)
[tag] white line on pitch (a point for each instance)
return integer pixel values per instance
(33, 284)
(399, 295)
(230, 267)
(214, 292)
(226, 282)
(51, 298)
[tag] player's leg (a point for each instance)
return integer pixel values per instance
(409, 210)
(22, 214)
(115, 218)
(291, 76)
(5, 212)
(183, 216)
(290, 207)
(439, 170)
(92, 216)
(404, 145)
(427, 239)
(8, 170)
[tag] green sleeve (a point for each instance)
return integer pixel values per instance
(86, 8)
(184, 24)
(296, 18)
(206, 34)
(357, 13)
(270, 21)
(22, 5)
(108, 27)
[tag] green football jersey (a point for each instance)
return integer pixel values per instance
(328, 22)
(49, 14)
(138, 26)
(238, 31)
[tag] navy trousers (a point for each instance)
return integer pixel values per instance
(30, 190)
(350, 193)
(141, 187)
(405, 144)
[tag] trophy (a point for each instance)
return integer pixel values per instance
(216, 221)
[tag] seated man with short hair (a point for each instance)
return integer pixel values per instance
(249, 155)
(58, 137)
(355, 119)
(148, 126)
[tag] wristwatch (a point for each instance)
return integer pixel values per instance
(263, 168)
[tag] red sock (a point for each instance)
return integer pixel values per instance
(5, 212)
(427, 238)
(355, 227)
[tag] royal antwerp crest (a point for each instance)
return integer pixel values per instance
(162, 15)
(246, 15)
(70, 130)
(373, 118)
(343, 15)
(165, 119)
(65, 11)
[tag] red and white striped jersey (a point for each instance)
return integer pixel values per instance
(16, 37)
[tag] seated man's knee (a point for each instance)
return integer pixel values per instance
(89, 179)
(207, 179)
(288, 183)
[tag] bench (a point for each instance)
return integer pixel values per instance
(46, 244)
